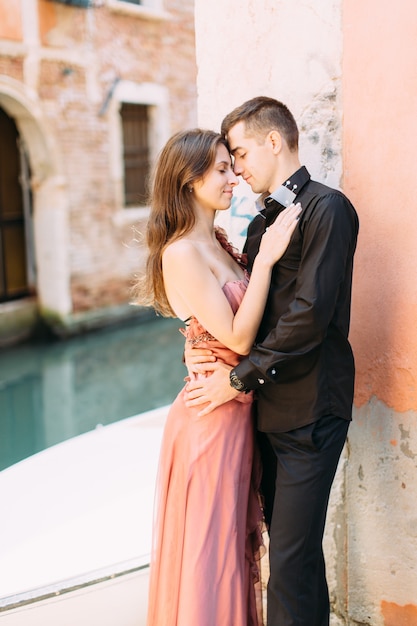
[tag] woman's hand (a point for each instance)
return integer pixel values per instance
(277, 235)
(198, 360)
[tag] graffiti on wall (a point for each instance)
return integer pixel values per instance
(236, 220)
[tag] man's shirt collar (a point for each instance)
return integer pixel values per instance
(286, 193)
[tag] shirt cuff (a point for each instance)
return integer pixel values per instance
(251, 377)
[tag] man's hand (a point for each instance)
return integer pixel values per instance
(214, 390)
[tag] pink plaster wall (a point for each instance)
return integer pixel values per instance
(380, 177)
(395, 615)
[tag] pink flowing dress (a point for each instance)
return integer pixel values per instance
(207, 531)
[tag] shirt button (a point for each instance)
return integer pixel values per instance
(261, 381)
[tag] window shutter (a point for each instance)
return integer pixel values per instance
(135, 121)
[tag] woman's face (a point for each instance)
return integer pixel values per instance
(215, 190)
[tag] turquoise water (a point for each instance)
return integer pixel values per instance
(52, 391)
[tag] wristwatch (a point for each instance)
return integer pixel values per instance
(236, 383)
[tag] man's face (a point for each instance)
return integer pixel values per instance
(254, 159)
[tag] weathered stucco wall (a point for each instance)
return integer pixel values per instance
(380, 100)
(346, 70)
(284, 49)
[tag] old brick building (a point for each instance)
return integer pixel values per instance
(89, 92)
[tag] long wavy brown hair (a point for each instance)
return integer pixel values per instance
(185, 159)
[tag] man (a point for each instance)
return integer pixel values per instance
(301, 367)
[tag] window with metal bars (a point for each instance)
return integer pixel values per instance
(136, 153)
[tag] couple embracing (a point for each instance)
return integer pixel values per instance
(255, 435)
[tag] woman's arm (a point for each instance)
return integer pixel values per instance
(189, 279)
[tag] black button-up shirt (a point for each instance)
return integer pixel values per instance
(302, 364)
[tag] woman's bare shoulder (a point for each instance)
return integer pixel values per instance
(180, 251)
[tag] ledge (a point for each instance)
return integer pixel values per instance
(18, 320)
(78, 323)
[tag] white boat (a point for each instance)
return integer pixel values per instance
(76, 526)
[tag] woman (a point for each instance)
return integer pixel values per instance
(207, 531)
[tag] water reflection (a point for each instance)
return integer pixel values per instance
(50, 392)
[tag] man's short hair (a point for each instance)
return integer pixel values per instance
(261, 115)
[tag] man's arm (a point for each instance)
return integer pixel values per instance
(329, 240)
(290, 348)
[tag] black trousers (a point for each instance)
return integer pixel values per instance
(299, 468)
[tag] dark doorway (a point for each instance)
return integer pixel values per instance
(16, 241)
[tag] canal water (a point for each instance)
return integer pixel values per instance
(51, 391)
